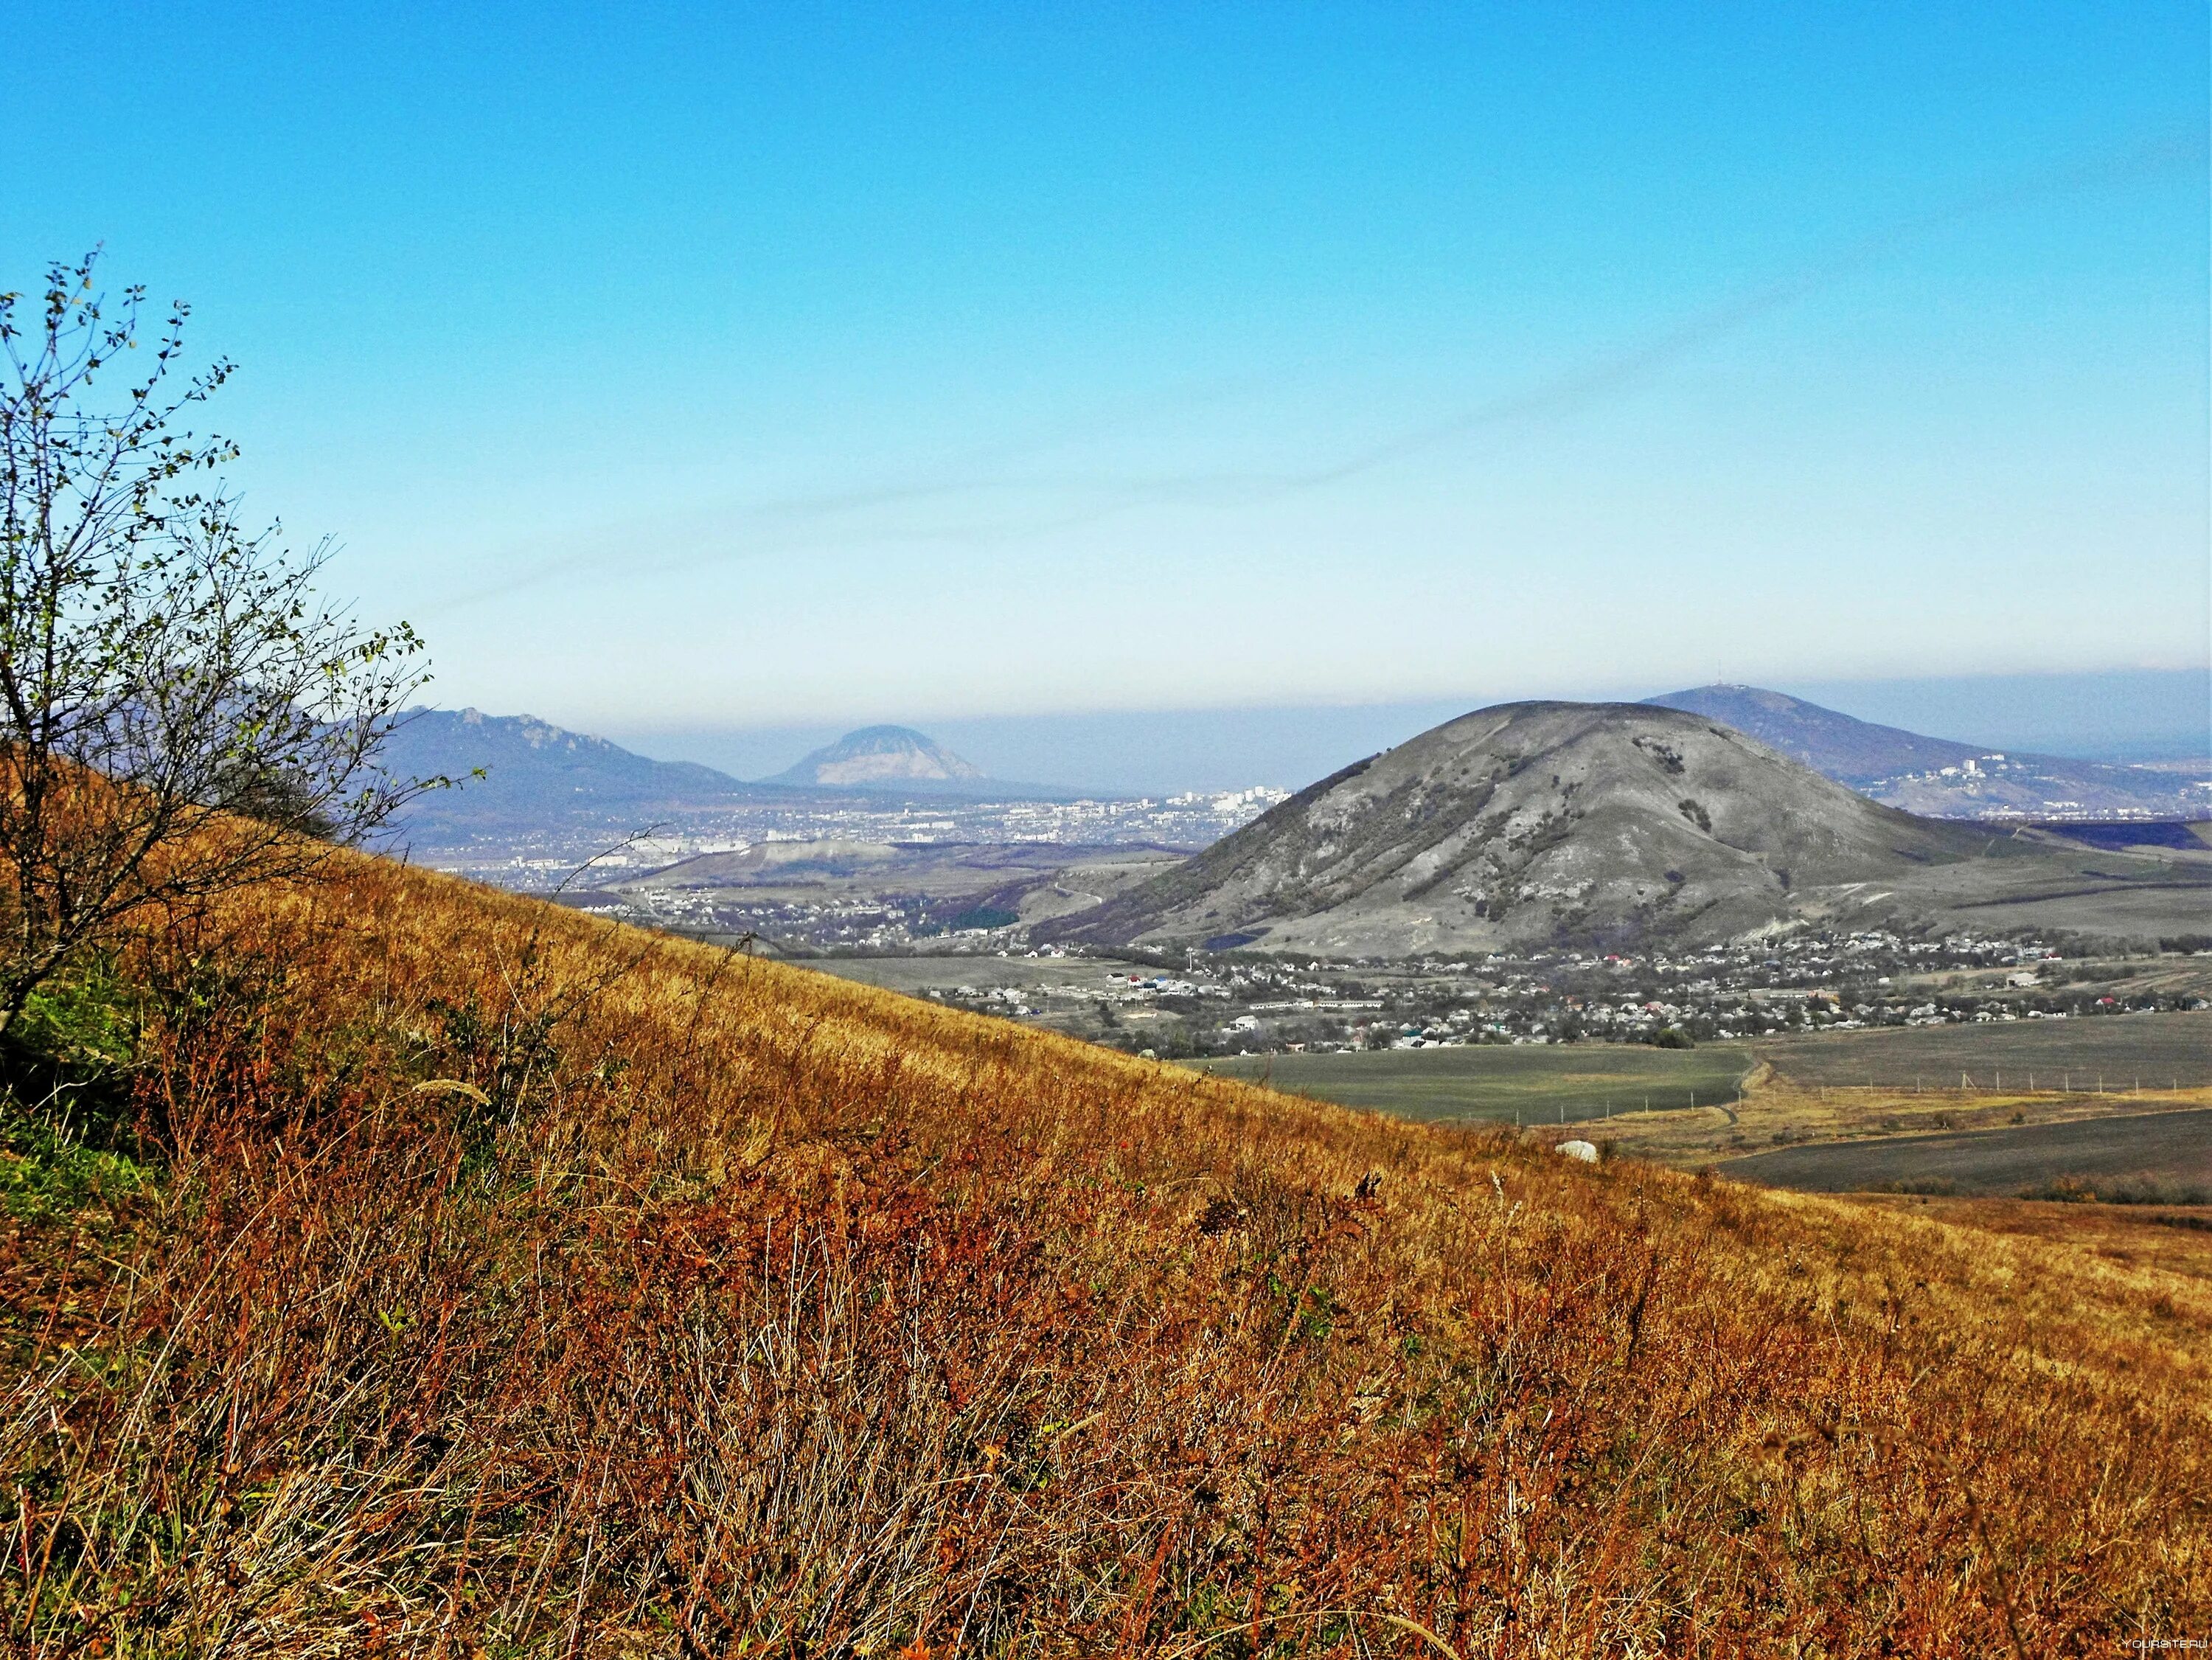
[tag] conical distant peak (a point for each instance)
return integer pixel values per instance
(878, 755)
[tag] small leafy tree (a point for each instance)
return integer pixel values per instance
(179, 714)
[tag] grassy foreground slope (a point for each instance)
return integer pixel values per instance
(523, 1285)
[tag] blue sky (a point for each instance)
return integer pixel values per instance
(683, 368)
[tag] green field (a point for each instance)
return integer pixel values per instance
(1542, 1083)
(2162, 1157)
(2161, 1051)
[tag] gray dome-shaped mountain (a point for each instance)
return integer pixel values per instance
(879, 758)
(1532, 824)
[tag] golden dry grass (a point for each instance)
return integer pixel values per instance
(2169, 1238)
(524, 1285)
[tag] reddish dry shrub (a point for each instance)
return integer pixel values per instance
(524, 1285)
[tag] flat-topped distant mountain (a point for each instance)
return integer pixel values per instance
(1613, 823)
(898, 760)
(1940, 777)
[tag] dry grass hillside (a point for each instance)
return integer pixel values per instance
(513, 1284)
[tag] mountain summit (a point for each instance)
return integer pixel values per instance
(879, 758)
(1588, 825)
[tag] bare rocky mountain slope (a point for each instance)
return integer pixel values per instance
(1613, 824)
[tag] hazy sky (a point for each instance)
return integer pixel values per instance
(707, 367)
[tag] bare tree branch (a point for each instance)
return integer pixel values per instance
(180, 713)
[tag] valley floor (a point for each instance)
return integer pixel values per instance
(2135, 1122)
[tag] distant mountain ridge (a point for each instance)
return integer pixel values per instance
(1608, 824)
(1844, 748)
(1941, 777)
(536, 774)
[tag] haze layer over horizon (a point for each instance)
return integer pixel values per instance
(2132, 716)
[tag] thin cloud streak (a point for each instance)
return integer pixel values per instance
(786, 524)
